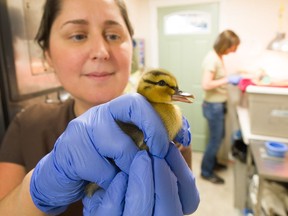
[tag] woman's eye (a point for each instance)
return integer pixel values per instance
(112, 37)
(79, 37)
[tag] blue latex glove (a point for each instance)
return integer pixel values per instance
(187, 190)
(161, 187)
(184, 135)
(109, 202)
(140, 192)
(234, 79)
(175, 189)
(85, 149)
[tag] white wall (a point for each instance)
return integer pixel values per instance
(255, 21)
(139, 14)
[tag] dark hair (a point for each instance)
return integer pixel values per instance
(123, 10)
(51, 11)
(226, 40)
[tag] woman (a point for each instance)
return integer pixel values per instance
(214, 83)
(88, 44)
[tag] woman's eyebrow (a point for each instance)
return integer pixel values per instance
(112, 23)
(85, 22)
(76, 21)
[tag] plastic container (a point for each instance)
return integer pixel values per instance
(276, 149)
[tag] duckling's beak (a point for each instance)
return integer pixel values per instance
(182, 96)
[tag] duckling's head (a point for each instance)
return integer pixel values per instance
(160, 86)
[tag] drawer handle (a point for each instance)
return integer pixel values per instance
(279, 113)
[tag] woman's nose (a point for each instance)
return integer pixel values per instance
(99, 49)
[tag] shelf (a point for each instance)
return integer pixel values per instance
(265, 167)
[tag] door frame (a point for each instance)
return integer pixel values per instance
(154, 5)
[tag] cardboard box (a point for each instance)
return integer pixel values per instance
(268, 111)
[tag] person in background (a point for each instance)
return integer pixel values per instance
(214, 83)
(88, 43)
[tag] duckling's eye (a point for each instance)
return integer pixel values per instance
(161, 83)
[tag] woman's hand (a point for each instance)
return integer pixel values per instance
(89, 149)
(184, 135)
(133, 194)
(155, 187)
(187, 190)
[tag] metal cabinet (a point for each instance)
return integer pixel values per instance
(266, 168)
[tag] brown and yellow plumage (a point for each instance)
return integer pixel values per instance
(161, 89)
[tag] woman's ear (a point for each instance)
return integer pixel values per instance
(48, 62)
(48, 58)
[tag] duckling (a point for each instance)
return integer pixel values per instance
(160, 88)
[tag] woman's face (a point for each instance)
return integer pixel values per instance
(90, 50)
(232, 49)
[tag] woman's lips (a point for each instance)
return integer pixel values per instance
(99, 75)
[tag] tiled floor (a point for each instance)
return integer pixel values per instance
(215, 200)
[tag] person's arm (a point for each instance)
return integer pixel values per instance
(11, 175)
(19, 202)
(86, 151)
(208, 81)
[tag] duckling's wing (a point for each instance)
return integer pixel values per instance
(134, 132)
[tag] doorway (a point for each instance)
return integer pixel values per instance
(185, 34)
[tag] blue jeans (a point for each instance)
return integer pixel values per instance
(215, 115)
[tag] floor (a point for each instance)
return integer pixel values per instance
(216, 200)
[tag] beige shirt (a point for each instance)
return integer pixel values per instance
(213, 64)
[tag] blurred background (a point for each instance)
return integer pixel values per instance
(176, 35)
